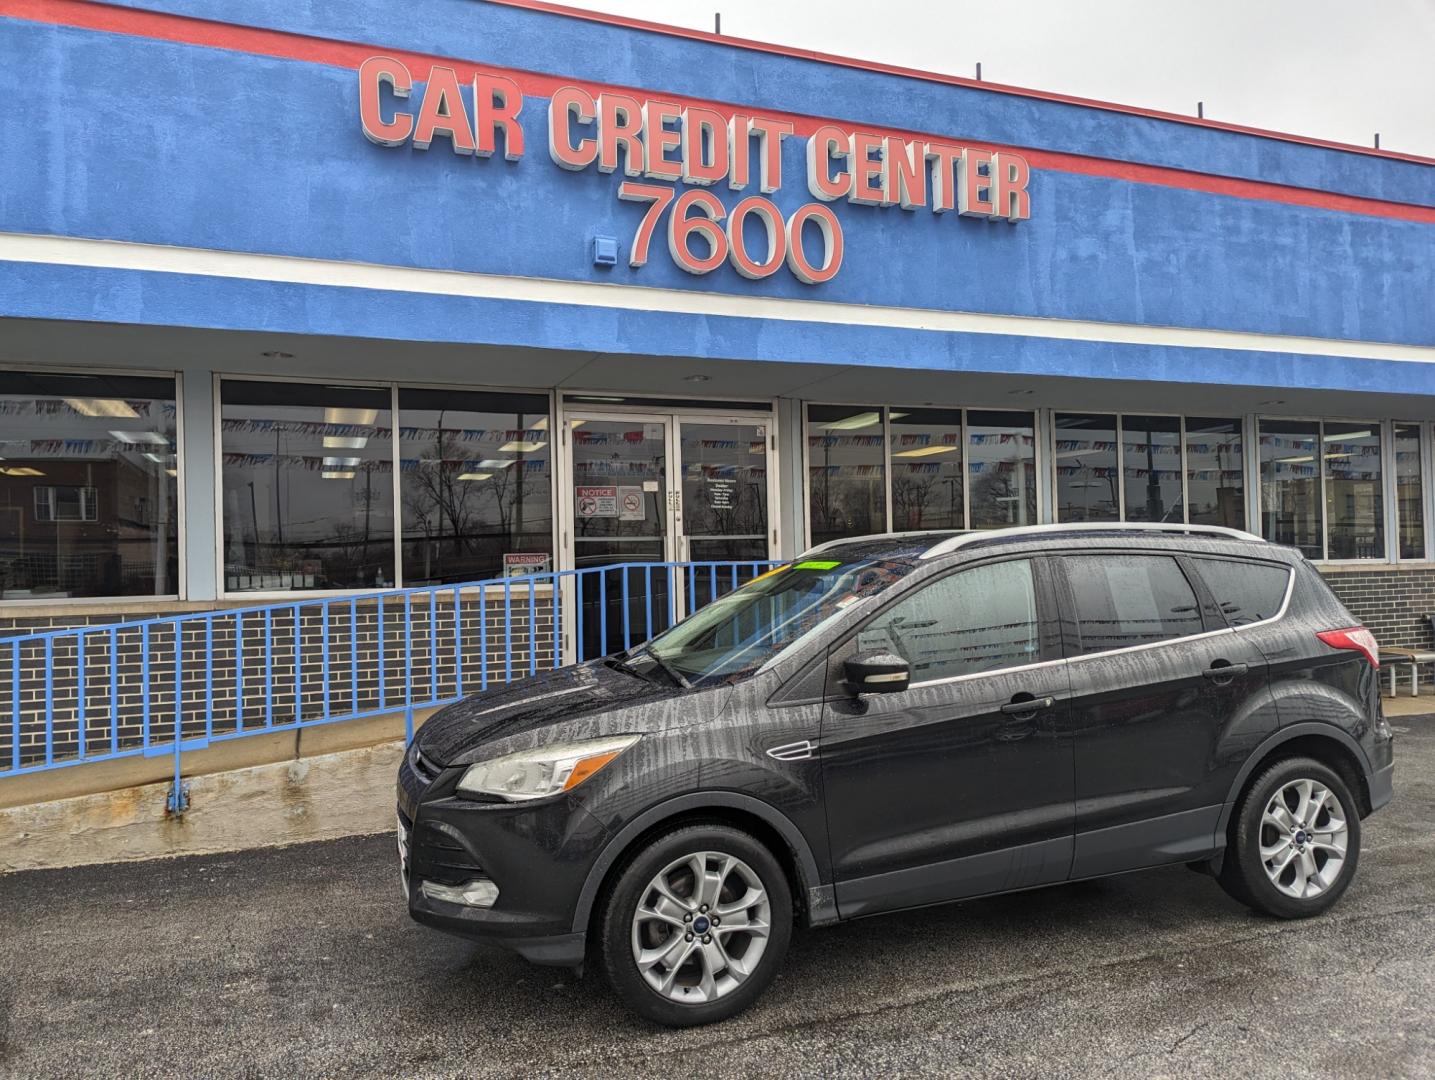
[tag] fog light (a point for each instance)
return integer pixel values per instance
(480, 892)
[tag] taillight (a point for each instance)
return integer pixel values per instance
(1353, 639)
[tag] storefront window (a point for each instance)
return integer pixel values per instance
(1354, 494)
(1215, 472)
(1409, 490)
(475, 483)
(1291, 509)
(1086, 468)
(1152, 469)
(846, 473)
(308, 486)
(927, 469)
(88, 486)
(1001, 468)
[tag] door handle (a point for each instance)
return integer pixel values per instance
(1222, 672)
(1028, 707)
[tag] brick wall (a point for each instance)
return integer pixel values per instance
(1391, 601)
(246, 670)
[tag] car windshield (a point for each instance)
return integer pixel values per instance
(738, 633)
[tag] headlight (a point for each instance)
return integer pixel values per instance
(544, 770)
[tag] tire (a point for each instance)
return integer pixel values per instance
(1282, 864)
(710, 976)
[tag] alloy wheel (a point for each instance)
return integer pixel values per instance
(701, 927)
(1303, 839)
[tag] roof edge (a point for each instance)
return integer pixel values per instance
(752, 45)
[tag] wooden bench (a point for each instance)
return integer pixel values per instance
(1411, 658)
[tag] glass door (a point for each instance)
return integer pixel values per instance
(623, 512)
(725, 511)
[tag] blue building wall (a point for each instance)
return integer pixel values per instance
(123, 137)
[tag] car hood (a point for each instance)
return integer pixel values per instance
(571, 693)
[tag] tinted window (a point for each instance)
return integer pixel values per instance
(1001, 468)
(926, 469)
(1152, 468)
(475, 475)
(1086, 477)
(308, 486)
(1409, 497)
(1246, 592)
(846, 474)
(1215, 472)
(976, 620)
(1354, 490)
(1291, 509)
(1125, 600)
(89, 487)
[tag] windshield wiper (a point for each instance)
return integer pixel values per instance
(617, 663)
(667, 669)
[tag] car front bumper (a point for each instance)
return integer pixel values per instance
(538, 854)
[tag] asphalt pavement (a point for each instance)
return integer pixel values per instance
(302, 962)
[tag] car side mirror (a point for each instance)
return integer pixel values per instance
(877, 673)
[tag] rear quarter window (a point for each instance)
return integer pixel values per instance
(1246, 592)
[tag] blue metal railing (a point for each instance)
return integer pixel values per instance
(163, 686)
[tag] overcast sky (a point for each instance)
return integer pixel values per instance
(1331, 69)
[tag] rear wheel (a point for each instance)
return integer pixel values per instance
(1294, 843)
(695, 925)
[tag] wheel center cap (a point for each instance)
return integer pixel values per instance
(1300, 837)
(701, 924)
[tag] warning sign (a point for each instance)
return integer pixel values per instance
(518, 563)
(596, 502)
(630, 504)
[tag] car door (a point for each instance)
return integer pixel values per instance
(1160, 694)
(960, 784)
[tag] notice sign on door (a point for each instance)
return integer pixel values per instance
(630, 504)
(721, 494)
(596, 502)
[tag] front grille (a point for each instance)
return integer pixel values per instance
(423, 768)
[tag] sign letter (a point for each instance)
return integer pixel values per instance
(375, 73)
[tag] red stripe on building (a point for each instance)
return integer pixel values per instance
(83, 14)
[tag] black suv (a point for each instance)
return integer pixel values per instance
(894, 721)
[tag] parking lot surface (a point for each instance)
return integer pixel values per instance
(302, 962)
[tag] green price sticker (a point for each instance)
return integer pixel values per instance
(818, 564)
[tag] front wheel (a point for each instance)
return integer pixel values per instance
(696, 925)
(1295, 840)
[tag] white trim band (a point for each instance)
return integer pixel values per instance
(118, 255)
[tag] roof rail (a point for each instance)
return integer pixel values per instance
(825, 545)
(954, 543)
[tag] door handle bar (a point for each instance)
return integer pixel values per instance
(1022, 708)
(1226, 671)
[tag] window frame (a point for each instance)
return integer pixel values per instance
(181, 538)
(1049, 638)
(90, 502)
(392, 387)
